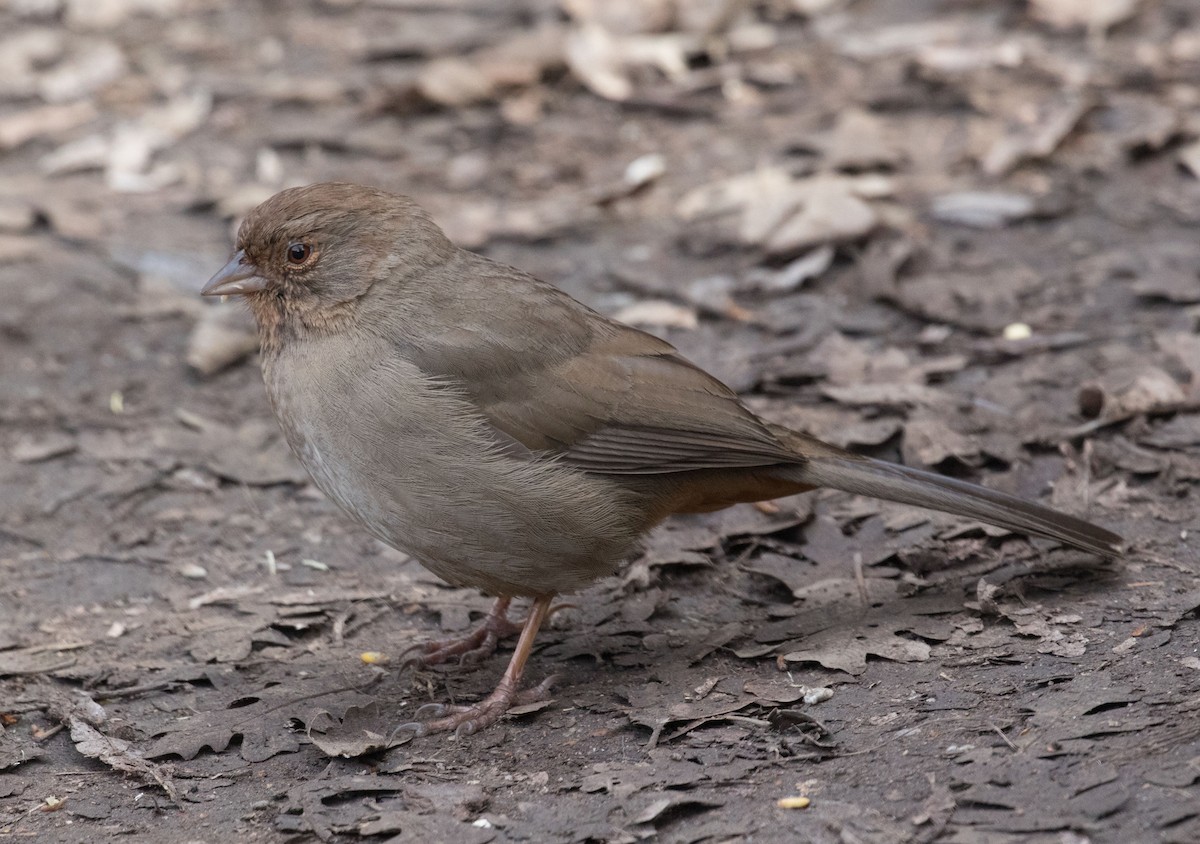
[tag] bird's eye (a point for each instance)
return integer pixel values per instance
(299, 252)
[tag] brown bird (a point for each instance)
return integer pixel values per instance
(502, 433)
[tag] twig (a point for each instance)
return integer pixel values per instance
(1003, 737)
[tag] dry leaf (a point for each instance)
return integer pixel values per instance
(929, 440)
(1094, 15)
(658, 312)
(1185, 347)
(623, 17)
(119, 755)
(44, 447)
(221, 338)
(1189, 157)
(792, 276)
(94, 67)
(605, 62)
(784, 214)
(106, 14)
(361, 730)
(830, 212)
(858, 141)
(43, 121)
(454, 82)
(846, 649)
(1150, 391)
(982, 209)
(1037, 133)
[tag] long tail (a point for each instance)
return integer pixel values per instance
(890, 481)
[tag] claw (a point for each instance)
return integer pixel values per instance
(538, 693)
(470, 649)
(566, 605)
(468, 720)
(430, 710)
(413, 727)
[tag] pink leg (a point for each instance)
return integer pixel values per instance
(465, 720)
(476, 646)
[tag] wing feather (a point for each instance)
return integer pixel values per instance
(566, 381)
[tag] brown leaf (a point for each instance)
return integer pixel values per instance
(221, 338)
(1093, 15)
(859, 141)
(51, 120)
(45, 447)
(982, 209)
(786, 215)
(1150, 390)
(360, 730)
(454, 82)
(119, 755)
(1038, 132)
(843, 649)
(929, 440)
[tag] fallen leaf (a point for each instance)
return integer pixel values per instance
(1180, 285)
(220, 338)
(403, 825)
(830, 210)
(259, 717)
(43, 121)
(605, 62)
(1094, 15)
(884, 395)
(657, 312)
(16, 751)
(30, 449)
(1150, 390)
(92, 68)
(624, 17)
(454, 82)
(1189, 157)
(847, 649)
(793, 275)
(119, 755)
(929, 440)
(784, 214)
(1037, 133)
(675, 804)
(107, 14)
(858, 140)
(360, 730)
(982, 209)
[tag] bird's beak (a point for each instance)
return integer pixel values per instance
(237, 278)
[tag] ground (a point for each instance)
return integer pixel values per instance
(961, 235)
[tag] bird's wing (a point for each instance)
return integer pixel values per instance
(559, 378)
(629, 404)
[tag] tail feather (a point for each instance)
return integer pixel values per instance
(890, 481)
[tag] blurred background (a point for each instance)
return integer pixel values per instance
(960, 233)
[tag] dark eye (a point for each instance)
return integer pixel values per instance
(299, 252)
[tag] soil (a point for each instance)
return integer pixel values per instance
(967, 241)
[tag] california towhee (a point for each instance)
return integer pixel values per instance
(505, 435)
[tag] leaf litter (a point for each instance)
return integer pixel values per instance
(841, 213)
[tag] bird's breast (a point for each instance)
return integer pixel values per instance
(415, 462)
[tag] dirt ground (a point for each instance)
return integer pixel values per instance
(965, 235)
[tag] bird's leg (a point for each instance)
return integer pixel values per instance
(465, 720)
(476, 646)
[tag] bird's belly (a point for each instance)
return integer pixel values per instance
(432, 484)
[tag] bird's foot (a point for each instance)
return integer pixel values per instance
(475, 647)
(467, 720)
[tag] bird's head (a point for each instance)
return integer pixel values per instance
(306, 257)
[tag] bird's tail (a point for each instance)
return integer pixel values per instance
(890, 481)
